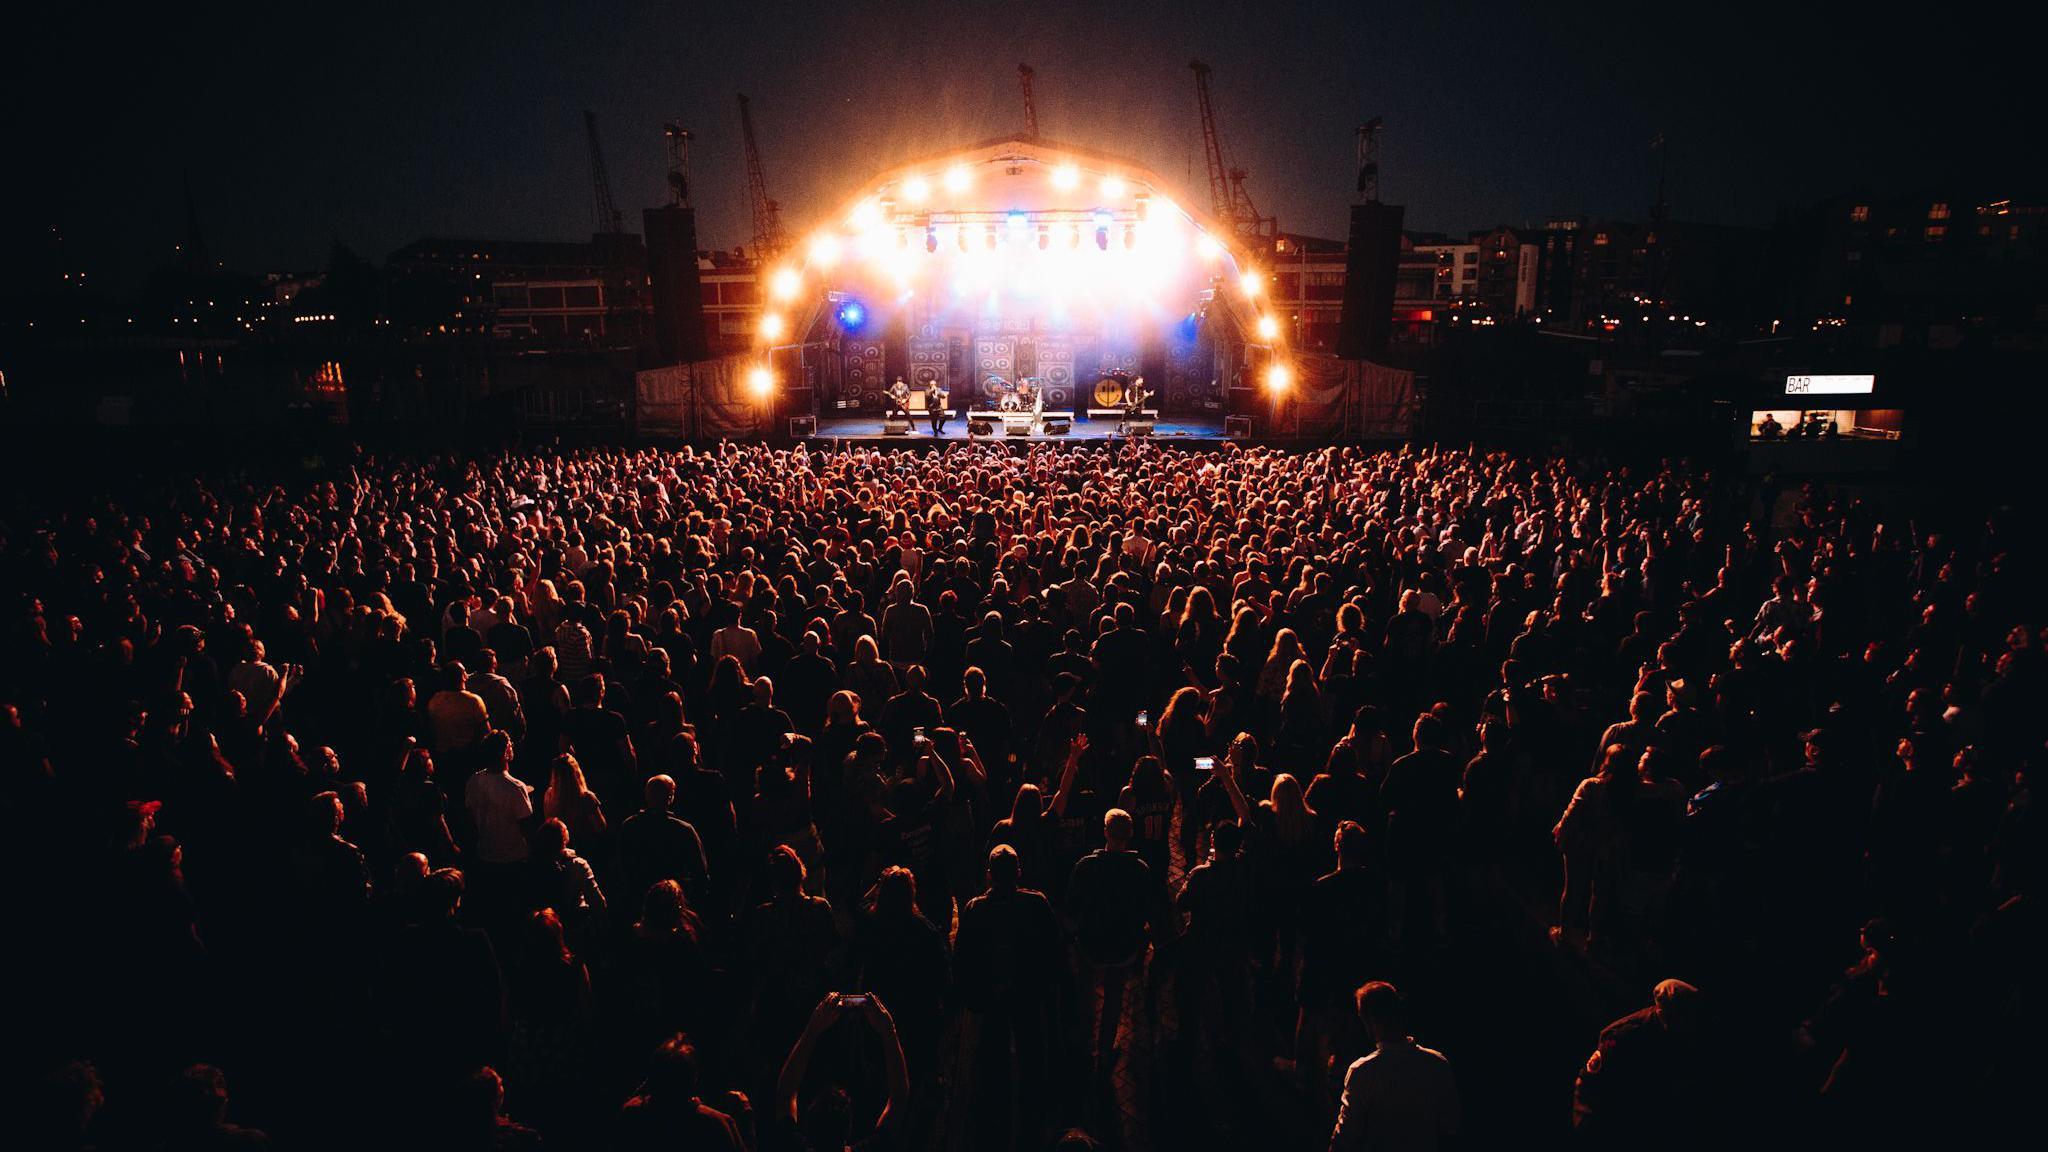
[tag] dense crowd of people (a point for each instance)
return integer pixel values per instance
(1007, 798)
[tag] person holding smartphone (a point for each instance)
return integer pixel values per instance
(824, 1119)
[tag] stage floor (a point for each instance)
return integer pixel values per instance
(1182, 430)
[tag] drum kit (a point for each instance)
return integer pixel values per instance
(1024, 395)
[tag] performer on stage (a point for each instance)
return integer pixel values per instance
(938, 401)
(1133, 405)
(896, 402)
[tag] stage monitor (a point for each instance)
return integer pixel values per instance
(1830, 385)
(672, 274)
(1370, 264)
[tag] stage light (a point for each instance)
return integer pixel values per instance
(1208, 246)
(1103, 219)
(852, 314)
(761, 380)
(958, 178)
(1017, 221)
(1102, 237)
(825, 251)
(773, 326)
(1112, 188)
(1252, 283)
(1065, 177)
(917, 190)
(866, 215)
(785, 283)
(1269, 328)
(1279, 376)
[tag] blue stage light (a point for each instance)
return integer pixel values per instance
(852, 314)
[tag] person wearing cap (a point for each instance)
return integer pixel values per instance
(1648, 1082)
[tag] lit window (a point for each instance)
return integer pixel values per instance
(1860, 214)
(1936, 231)
(1938, 212)
(1599, 239)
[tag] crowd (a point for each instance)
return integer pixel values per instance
(992, 798)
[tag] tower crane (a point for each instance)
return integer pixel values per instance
(767, 214)
(1024, 75)
(1228, 199)
(608, 218)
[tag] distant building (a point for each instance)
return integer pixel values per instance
(1457, 268)
(544, 289)
(1308, 291)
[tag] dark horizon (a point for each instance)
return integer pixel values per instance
(372, 128)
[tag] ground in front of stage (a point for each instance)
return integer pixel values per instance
(1183, 430)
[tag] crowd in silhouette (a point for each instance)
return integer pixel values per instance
(994, 798)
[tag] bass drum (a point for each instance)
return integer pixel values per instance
(1109, 392)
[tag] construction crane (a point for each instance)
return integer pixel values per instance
(1227, 198)
(678, 138)
(767, 214)
(1369, 161)
(1024, 75)
(608, 218)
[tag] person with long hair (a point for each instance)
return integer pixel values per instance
(569, 799)
(1184, 738)
(868, 676)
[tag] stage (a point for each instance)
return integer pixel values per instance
(1167, 430)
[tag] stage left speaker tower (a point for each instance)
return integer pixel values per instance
(672, 273)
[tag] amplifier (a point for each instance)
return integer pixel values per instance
(1058, 425)
(802, 426)
(980, 428)
(1237, 427)
(1140, 428)
(896, 426)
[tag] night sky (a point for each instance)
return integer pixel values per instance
(298, 125)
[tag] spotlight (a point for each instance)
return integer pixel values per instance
(1252, 283)
(958, 178)
(1269, 328)
(761, 380)
(917, 190)
(1279, 377)
(773, 326)
(867, 215)
(1208, 246)
(1112, 187)
(785, 283)
(1065, 177)
(852, 314)
(825, 251)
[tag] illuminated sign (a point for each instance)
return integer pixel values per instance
(1830, 385)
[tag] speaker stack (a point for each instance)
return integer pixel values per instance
(672, 274)
(1371, 262)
